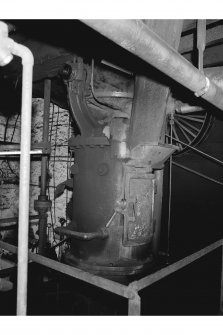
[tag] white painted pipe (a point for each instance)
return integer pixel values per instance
(27, 62)
(9, 48)
(16, 153)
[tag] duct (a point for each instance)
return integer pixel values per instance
(137, 38)
(8, 48)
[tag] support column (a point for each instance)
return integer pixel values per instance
(134, 305)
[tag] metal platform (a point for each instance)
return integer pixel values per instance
(131, 291)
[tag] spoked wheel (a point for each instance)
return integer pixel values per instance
(190, 128)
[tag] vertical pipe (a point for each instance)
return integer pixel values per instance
(42, 205)
(8, 48)
(201, 42)
(42, 232)
(46, 115)
(24, 184)
(221, 293)
(134, 305)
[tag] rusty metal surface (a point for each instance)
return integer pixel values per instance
(98, 187)
(139, 197)
(155, 155)
(97, 193)
(136, 37)
(124, 247)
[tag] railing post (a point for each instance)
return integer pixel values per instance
(134, 305)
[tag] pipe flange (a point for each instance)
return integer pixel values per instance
(203, 90)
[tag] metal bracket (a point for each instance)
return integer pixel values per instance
(155, 154)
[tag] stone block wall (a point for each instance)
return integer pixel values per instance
(59, 163)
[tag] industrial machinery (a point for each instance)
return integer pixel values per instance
(159, 106)
(116, 174)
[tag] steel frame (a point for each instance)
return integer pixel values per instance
(131, 292)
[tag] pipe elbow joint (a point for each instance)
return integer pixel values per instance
(8, 48)
(23, 52)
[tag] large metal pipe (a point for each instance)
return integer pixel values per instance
(137, 38)
(10, 48)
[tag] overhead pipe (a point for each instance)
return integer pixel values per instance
(137, 38)
(8, 48)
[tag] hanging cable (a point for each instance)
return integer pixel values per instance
(198, 174)
(198, 151)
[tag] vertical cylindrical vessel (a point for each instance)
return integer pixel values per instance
(100, 198)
